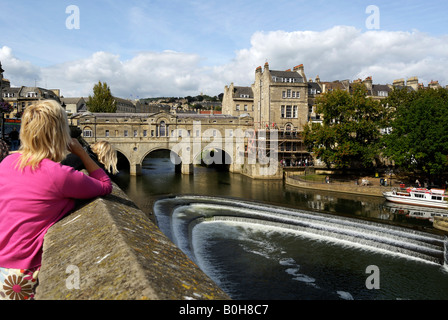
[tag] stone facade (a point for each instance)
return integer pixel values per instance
(74, 105)
(281, 99)
(137, 135)
(22, 97)
(238, 101)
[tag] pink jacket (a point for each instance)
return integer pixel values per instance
(32, 201)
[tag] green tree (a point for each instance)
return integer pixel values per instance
(349, 136)
(418, 141)
(102, 100)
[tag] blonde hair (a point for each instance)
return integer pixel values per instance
(106, 155)
(44, 134)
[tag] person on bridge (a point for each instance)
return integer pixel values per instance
(36, 191)
(107, 156)
(102, 152)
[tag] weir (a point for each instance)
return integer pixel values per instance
(353, 232)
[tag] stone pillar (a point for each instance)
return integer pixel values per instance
(135, 169)
(187, 168)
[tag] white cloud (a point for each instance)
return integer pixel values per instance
(348, 53)
(338, 53)
(22, 72)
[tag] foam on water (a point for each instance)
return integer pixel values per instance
(341, 230)
(195, 222)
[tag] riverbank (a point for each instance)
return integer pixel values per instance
(370, 187)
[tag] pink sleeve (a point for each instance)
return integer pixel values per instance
(77, 185)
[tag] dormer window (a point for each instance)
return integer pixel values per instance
(31, 94)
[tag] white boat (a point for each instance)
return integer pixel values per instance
(435, 198)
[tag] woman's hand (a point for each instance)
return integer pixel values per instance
(76, 148)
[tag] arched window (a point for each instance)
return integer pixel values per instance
(162, 129)
(87, 132)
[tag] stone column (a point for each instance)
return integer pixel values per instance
(187, 169)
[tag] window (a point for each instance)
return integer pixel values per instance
(126, 134)
(87, 133)
(237, 107)
(145, 133)
(419, 195)
(289, 112)
(162, 129)
(383, 93)
(107, 133)
(245, 107)
(288, 94)
(135, 133)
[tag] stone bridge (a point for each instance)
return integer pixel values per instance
(191, 138)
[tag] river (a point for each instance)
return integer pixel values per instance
(265, 240)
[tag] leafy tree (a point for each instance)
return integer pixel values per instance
(418, 141)
(102, 100)
(349, 135)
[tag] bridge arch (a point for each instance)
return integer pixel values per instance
(123, 161)
(212, 156)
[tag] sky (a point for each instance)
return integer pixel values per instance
(153, 48)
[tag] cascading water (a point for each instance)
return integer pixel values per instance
(248, 230)
(445, 251)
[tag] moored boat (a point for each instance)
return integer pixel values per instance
(435, 198)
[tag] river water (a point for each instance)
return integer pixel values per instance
(265, 240)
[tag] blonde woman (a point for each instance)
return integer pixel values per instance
(107, 155)
(36, 191)
(101, 152)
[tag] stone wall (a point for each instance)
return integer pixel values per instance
(293, 179)
(108, 249)
(271, 171)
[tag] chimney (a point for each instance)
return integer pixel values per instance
(413, 83)
(434, 84)
(266, 66)
(368, 83)
(300, 69)
(398, 83)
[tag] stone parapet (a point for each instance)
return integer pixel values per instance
(108, 249)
